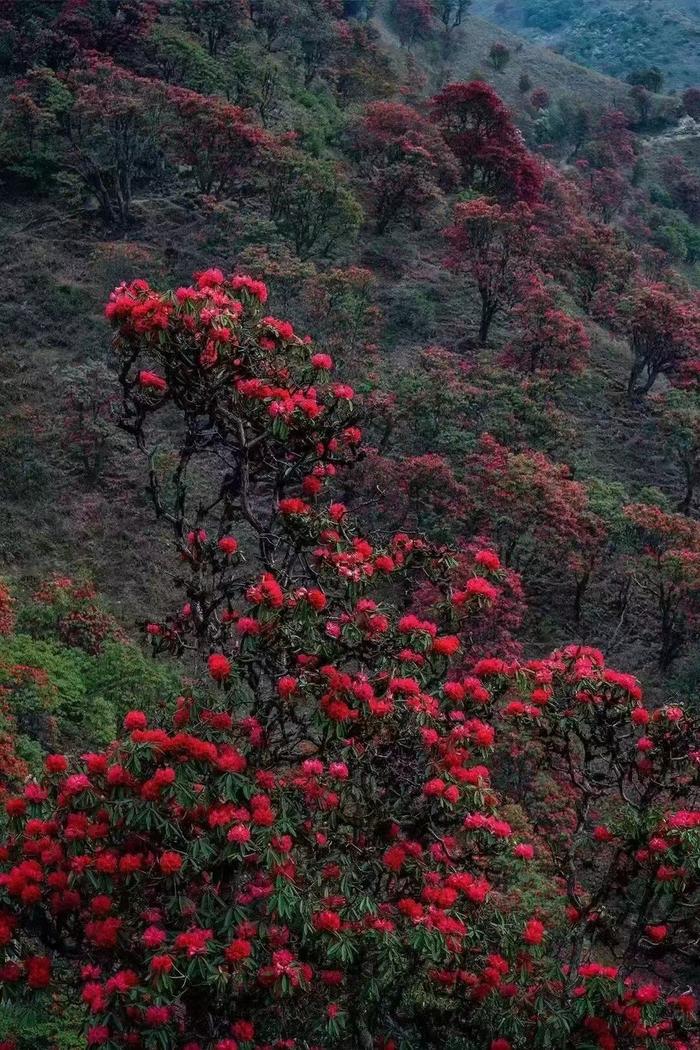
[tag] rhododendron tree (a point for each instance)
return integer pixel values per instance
(532, 507)
(404, 162)
(103, 123)
(413, 20)
(7, 617)
(311, 204)
(593, 260)
(444, 402)
(684, 186)
(342, 305)
(500, 55)
(493, 245)
(667, 572)
(480, 132)
(219, 142)
(540, 99)
(691, 102)
(547, 338)
(664, 332)
(317, 848)
(214, 20)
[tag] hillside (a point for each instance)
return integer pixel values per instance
(62, 264)
(617, 37)
(469, 58)
(350, 532)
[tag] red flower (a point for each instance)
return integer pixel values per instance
(243, 1030)
(56, 764)
(152, 381)
(219, 667)
(647, 993)
(534, 932)
(327, 921)
(135, 720)
(170, 862)
(238, 950)
(228, 545)
(447, 645)
(162, 963)
(38, 970)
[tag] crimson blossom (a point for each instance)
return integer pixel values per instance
(317, 849)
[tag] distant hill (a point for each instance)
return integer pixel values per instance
(613, 36)
(469, 59)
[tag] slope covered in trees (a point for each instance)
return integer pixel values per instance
(402, 493)
(618, 37)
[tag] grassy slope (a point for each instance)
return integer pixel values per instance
(470, 57)
(673, 45)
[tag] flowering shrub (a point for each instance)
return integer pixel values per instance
(7, 616)
(547, 338)
(667, 571)
(493, 245)
(413, 20)
(100, 120)
(404, 162)
(318, 848)
(480, 131)
(664, 332)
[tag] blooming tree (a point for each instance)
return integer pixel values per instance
(318, 849)
(413, 20)
(667, 572)
(220, 142)
(100, 122)
(480, 131)
(404, 162)
(493, 245)
(546, 337)
(593, 260)
(664, 332)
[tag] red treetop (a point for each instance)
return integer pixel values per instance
(404, 159)
(479, 130)
(547, 338)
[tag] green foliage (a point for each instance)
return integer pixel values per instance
(566, 121)
(413, 309)
(549, 15)
(63, 697)
(182, 60)
(60, 1028)
(125, 677)
(311, 206)
(652, 79)
(80, 719)
(319, 121)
